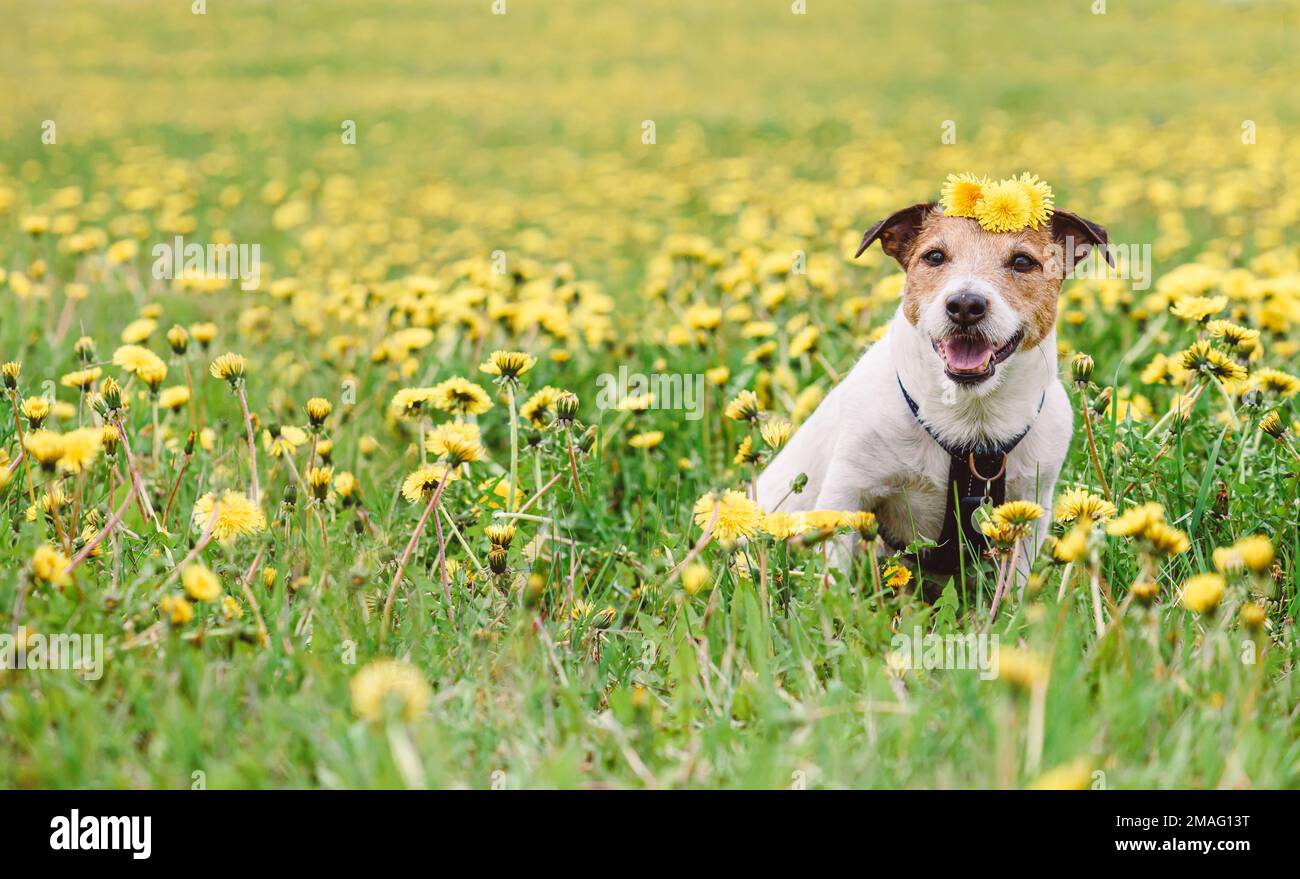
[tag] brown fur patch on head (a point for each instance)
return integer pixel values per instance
(969, 250)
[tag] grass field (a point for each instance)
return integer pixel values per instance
(608, 186)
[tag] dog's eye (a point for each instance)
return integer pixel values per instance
(934, 257)
(1022, 263)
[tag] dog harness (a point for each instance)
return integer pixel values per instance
(977, 477)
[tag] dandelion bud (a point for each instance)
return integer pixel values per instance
(1272, 425)
(588, 439)
(229, 367)
(497, 559)
(85, 348)
(290, 497)
(110, 439)
(189, 444)
(1102, 403)
(533, 590)
(268, 577)
(1081, 369)
(1145, 592)
(566, 408)
(179, 339)
(500, 534)
(35, 410)
(864, 522)
(318, 481)
(111, 394)
(10, 372)
(1253, 616)
(318, 409)
(799, 484)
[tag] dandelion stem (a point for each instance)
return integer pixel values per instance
(406, 555)
(1092, 446)
(573, 464)
(514, 447)
(27, 464)
(254, 491)
(99, 538)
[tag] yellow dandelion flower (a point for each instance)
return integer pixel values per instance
(647, 440)
(1196, 309)
(49, 564)
(460, 396)
(826, 520)
(736, 515)
(389, 685)
(776, 432)
(35, 410)
(1135, 521)
(229, 367)
(694, 577)
(744, 407)
(1202, 357)
(80, 447)
(508, 365)
(1202, 593)
(174, 397)
(1072, 546)
(45, 446)
(1021, 667)
(177, 609)
(1076, 775)
(539, 409)
(1276, 382)
(318, 481)
(318, 409)
(283, 439)
(1040, 199)
(1003, 207)
(1079, 504)
(783, 526)
(410, 402)
(1017, 513)
(82, 378)
(421, 483)
(961, 193)
(804, 341)
(230, 608)
(745, 453)
(138, 331)
(235, 516)
(137, 360)
(896, 575)
(200, 583)
(1166, 539)
(457, 441)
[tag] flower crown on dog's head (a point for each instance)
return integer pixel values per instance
(1007, 205)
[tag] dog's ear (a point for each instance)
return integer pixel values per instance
(897, 231)
(1071, 230)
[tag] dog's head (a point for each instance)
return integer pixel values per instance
(978, 296)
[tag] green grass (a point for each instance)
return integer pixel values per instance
(523, 134)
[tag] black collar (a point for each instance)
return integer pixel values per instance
(976, 477)
(978, 448)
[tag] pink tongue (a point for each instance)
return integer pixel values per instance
(965, 353)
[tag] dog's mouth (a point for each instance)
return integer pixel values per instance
(971, 359)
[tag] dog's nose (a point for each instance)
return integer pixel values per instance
(967, 309)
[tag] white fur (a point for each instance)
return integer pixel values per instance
(863, 449)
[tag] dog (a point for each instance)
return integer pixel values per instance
(965, 379)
